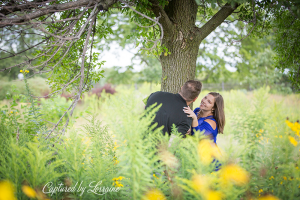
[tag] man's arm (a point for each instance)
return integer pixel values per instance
(183, 128)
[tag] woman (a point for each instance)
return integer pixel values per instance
(209, 116)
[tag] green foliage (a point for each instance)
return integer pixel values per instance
(287, 46)
(38, 87)
(123, 151)
(15, 42)
(52, 109)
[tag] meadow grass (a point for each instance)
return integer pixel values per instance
(109, 140)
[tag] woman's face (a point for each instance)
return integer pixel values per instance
(207, 103)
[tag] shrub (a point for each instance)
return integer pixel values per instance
(107, 88)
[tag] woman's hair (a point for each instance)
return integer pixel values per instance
(218, 113)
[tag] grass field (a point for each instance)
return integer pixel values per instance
(108, 140)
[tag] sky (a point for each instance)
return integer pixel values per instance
(117, 56)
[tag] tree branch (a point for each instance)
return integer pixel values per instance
(55, 8)
(215, 21)
(159, 11)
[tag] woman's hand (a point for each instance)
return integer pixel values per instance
(190, 113)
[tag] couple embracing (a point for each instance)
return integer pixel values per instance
(208, 116)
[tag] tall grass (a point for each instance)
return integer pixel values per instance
(117, 147)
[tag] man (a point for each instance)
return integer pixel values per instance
(171, 111)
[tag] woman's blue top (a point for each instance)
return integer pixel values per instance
(203, 125)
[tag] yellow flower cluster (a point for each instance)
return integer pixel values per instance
(28, 191)
(294, 126)
(116, 146)
(24, 71)
(154, 194)
(229, 175)
(202, 183)
(117, 181)
(116, 160)
(155, 176)
(7, 191)
(207, 151)
(268, 197)
(234, 174)
(293, 140)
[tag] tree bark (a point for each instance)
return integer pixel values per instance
(180, 65)
(182, 38)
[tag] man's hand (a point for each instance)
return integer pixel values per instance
(188, 132)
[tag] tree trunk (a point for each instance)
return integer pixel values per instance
(182, 38)
(179, 66)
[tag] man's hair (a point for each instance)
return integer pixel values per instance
(191, 89)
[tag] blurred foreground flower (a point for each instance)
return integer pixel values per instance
(201, 183)
(7, 191)
(293, 141)
(154, 194)
(213, 195)
(28, 191)
(207, 151)
(234, 174)
(169, 159)
(268, 197)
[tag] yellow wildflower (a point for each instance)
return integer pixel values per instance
(154, 194)
(116, 182)
(272, 177)
(28, 191)
(155, 176)
(235, 174)
(7, 191)
(213, 195)
(294, 126)
(200, 183)
(207, 151)
(261, 130)
(21, 71)
(260, 191)
(280, 136)
(11, 112)
(293, 141)
(284, 178)
(268, 197)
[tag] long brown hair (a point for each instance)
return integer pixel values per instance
(218, 112)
